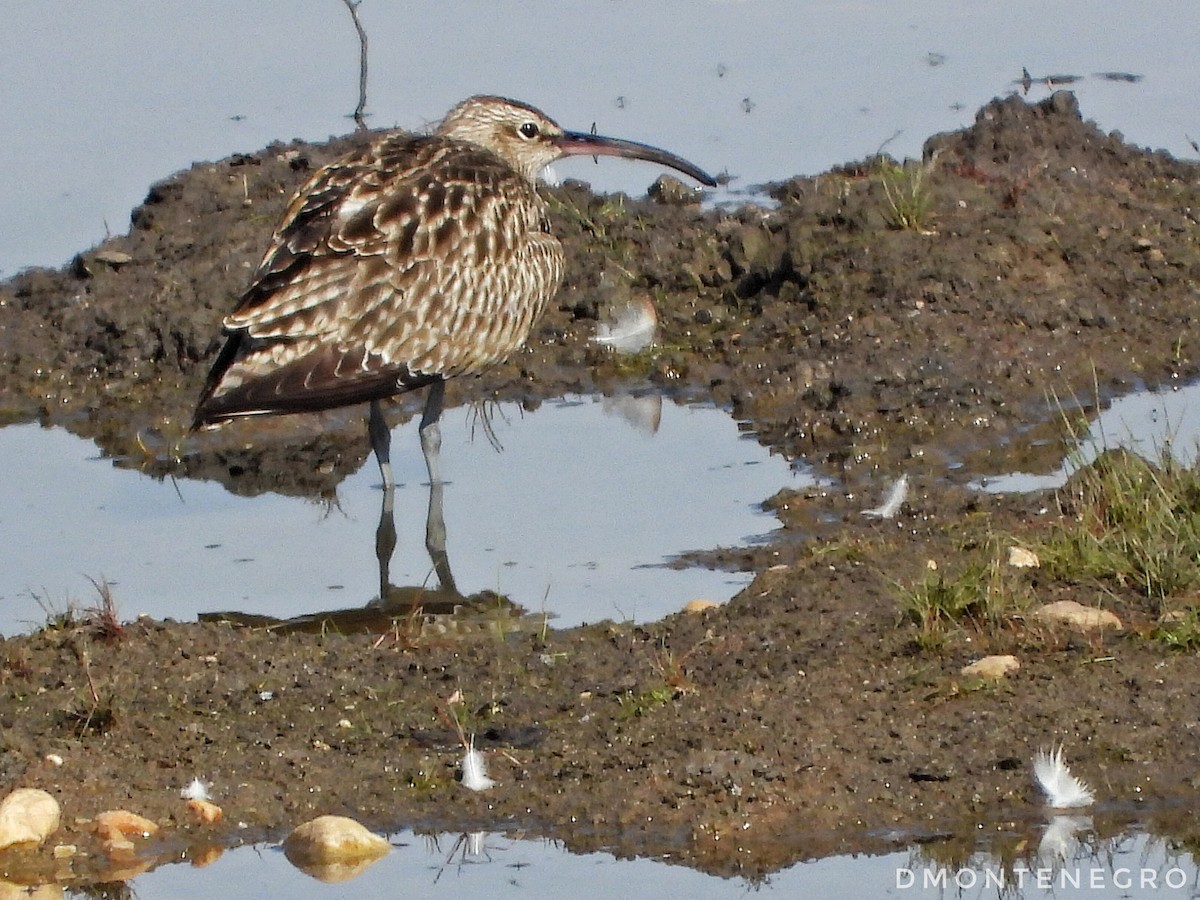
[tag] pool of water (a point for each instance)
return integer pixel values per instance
(102, 99)
(481, 865)
(1149, 423)
(576, 516)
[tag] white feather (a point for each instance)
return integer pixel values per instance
(474, 771)
(197, 790)
(895, 499)
(633, 331)
(1062, 789)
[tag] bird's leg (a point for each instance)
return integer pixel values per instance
(385, 533)
(431, 430)
(435, 522)
(385, 540)
(435, 538)
(381, 443)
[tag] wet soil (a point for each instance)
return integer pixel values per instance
(805, 717)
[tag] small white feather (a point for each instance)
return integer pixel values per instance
(197, 790)
(895, 499)
(633, 331)
(1062, 789)
(474, 771)
(549, 176)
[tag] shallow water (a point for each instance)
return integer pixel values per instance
(575, 516)
(491, 865)
(1149, 423)
(102, 99)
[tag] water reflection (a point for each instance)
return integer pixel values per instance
(484, 864)
(1070, 861)
(422, 604)
(1148, 423)
(574, 519)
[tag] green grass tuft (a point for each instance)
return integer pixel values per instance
(909, 201)
(1130, 523)
(984, 593)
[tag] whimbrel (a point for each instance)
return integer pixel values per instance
(407, 262)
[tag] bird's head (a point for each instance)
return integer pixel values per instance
(529, 140)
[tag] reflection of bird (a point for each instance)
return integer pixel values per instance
(405, 263)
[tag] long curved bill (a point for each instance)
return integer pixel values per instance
(578, 143)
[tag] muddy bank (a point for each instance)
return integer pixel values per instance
(1049, 253)
(1044, 258)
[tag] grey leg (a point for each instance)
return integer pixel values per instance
(435, 538)
(381, 443)
(385, 533)
(435, 522)
(385, 541)
(431, 430)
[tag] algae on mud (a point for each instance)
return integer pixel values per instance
(802, 718)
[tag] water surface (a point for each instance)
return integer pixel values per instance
(576, 516)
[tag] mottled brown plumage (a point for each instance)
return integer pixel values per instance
(410, 261)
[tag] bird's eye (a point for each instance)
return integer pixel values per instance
(529, 130)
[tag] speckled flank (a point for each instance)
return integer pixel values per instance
(413, 259)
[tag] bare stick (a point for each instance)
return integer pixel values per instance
(353, 5)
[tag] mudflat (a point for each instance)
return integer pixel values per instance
(878, 320)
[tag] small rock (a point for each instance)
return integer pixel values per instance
(123, 821)
(1077, 615)
(673, 192)
(991, 667)
(114, 828)
(699, 606)
(332, 841)
(1020, 558)
(113, 258)
(27, 817)
(205, 811)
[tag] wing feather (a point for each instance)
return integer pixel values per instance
(408, 261)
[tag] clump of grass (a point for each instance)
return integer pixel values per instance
(1181, 632)
(983, 593)
(596, 219)
(103, 620)
(634, 706)
(908, 197)
(1132, 523)
(58, 617)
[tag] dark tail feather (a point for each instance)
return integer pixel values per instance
(325, 379)
(205, 413)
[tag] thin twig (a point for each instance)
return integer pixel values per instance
(359, 119)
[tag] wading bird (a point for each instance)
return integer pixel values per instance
(407, 262)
